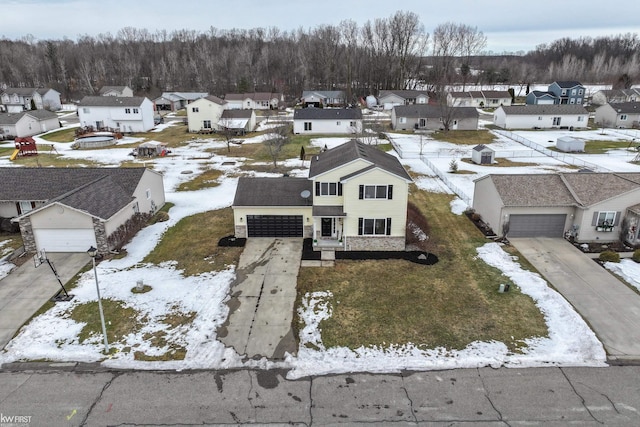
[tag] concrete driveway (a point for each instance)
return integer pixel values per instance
(27, 288)
(608, 305)
(262, 299)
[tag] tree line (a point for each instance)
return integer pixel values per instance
(387, 53)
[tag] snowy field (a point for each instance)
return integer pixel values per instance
(54, 336)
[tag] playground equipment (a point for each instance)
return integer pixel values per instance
(24, 147)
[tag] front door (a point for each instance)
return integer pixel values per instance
(327, 227)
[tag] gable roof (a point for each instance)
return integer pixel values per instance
(99, 191)
(111, 101)
(13, 118)
(237, 114)
(256, 96)
(105, 89)
(434, 111)
(211, 98)
(324, 93)
(541, 93)
(544, 109)
(327, 114)
(405, 94)
(481, 147)
(354, 150)
(567, 84)
(45, 90)
(20, 91)
(582, 189)
(626, 107)
(283, 191)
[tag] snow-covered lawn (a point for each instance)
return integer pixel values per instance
(54, 336)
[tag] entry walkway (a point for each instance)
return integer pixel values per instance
(608, 305)
(262, 299)
(27, 288)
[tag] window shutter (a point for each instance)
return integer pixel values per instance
(361, 192)
(390, 192)
(317, 188)
(388, 226)
(339, 189)
(360, 225)
(595, 218)
(617, 219)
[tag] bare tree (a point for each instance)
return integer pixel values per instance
(276, 140)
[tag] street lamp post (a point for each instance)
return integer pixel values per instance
(92, 253)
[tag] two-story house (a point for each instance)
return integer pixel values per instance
(16, 100)
(355, 199)
(203, 114)
(568, 92)
(128, 114)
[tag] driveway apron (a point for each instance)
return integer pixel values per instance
(262, 299)
(608, 305)
(27, 288)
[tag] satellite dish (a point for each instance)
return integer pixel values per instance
(305, 194)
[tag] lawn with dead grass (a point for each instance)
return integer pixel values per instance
(193, 243)
(449, 304)
(465, 137)
(207, 179)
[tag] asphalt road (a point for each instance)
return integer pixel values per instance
(535, 396)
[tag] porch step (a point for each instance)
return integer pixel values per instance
(328, 255)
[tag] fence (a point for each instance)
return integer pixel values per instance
(465, 198)
(563, 157)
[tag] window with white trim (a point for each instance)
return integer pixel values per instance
(374, 226)
(307, 126)
(135, 111)
(338, 123)
(195, 109)
(375, 192)
(606, 219)
(623, 117)
(580, 91)
(328, 189)
(127, 110)
(403, 120)
(580, 118)
(148, 193)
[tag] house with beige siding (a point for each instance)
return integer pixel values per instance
(71, 209)
(354, 199)
(204, 114)
(585, 206)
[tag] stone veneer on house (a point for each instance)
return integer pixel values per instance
(28, 239)
(361, 243)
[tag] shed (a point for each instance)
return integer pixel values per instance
(569, 144)
(151, 149)
(483, 155)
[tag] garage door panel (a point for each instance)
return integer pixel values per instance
(274, 225)
(62, 240)
(544, 225)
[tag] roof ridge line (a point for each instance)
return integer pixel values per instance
(573, 193)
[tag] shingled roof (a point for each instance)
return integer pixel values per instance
(354, 150)
(13, 118)
(284, 191)
(581, 189)
(434, 111)
(111, 101)
(99, 191)
(544, 109)
(626, 107)
(327, 114)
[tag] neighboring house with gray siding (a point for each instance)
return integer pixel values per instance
(589, 207)
(71, 209)
(432, 117)
(17, 100)
(619, 115)
(354, 199)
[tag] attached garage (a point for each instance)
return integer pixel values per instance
(274, 225)
(64, 240)
(540, 225)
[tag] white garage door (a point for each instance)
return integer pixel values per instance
(59, 240)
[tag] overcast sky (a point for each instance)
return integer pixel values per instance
(510, 25)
